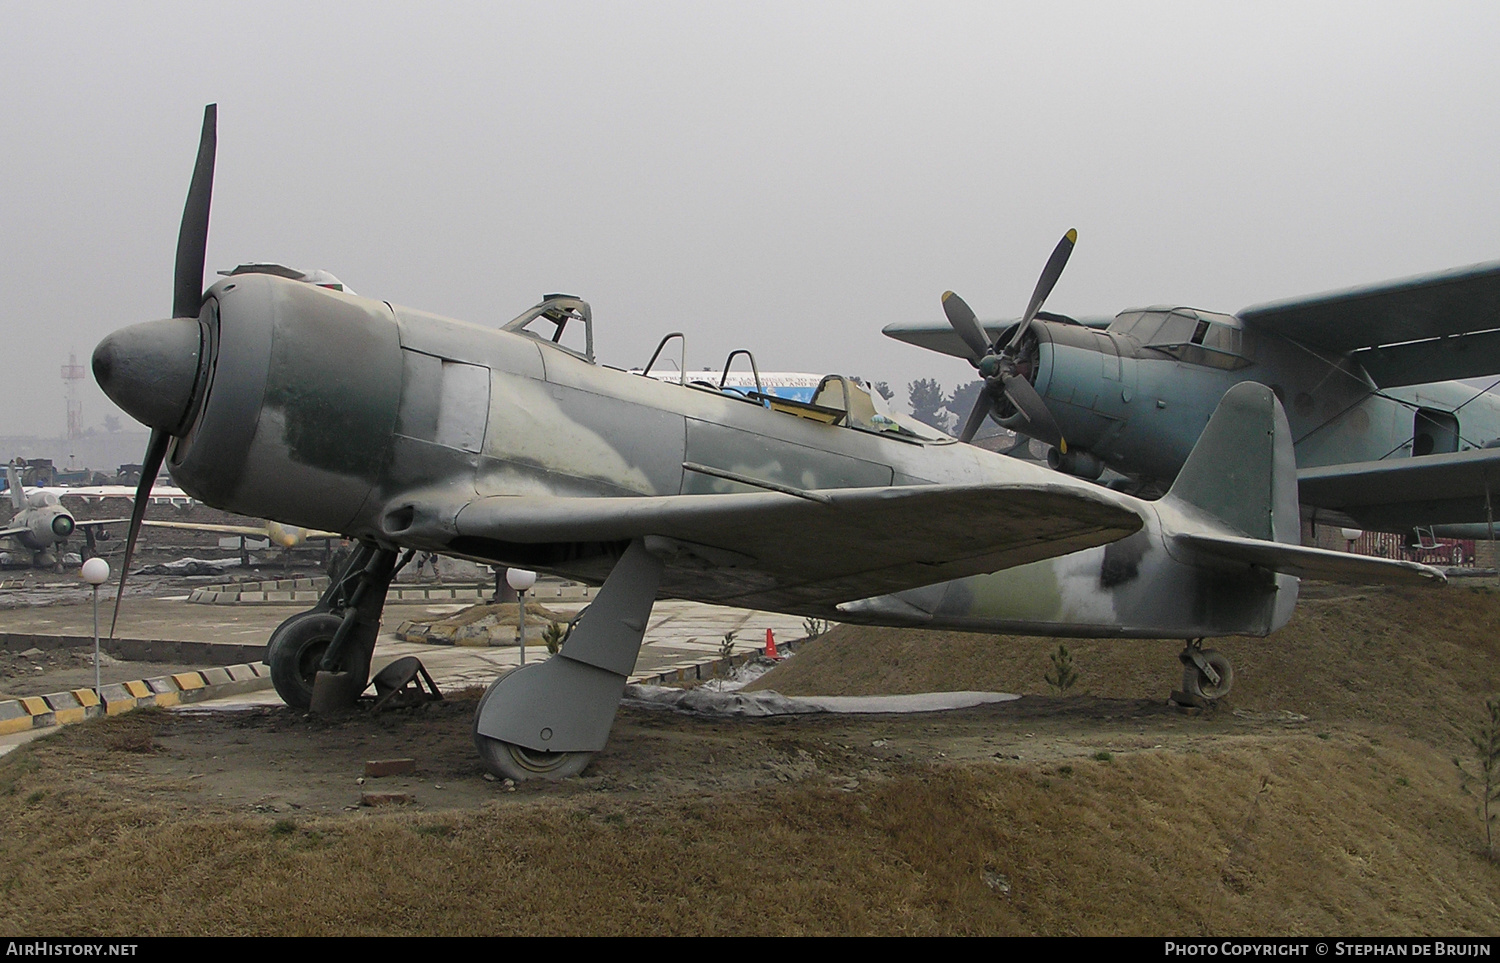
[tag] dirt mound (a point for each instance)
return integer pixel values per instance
(1422, 660)
(487, 623)
(1321, 798)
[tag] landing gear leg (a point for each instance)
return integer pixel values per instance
(1207, 675)
(547, 719)
(335, 638)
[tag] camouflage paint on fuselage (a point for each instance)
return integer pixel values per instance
(383, 422)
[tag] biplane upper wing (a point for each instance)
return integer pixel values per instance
(1434, 327)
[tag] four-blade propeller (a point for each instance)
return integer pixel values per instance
(998, 363)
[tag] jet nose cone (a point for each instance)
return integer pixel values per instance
(150, 370)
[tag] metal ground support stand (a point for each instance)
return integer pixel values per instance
(335, 637)
(546, 720)
(399, 685)
(1207, 676)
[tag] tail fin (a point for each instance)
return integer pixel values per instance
(1242, 474)
(1243, 471)
(17, 493)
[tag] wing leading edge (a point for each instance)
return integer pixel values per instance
(858, 543)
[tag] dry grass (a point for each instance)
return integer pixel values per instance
(1350, 825)
(1312, 837)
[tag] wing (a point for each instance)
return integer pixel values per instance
(939, 336)
(763, 547)
(1399, 493)
(1435, 327)
(255, 531)
(258, 531)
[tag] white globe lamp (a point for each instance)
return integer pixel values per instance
(521, 580)
(95, 572)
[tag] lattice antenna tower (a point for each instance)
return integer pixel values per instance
(72, 373)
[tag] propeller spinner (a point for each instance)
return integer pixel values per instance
(997, 363)
(154, 370)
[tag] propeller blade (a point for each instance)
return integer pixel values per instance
(1039, 421)
(156, 451)
(964, 321)
(976, 417)
(1046, 282)
(192, 236)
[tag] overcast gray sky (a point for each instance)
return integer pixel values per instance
(787, 177)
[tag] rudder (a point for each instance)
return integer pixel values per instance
(1243, 471)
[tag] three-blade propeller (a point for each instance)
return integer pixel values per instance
(998, 363)
(187, 302)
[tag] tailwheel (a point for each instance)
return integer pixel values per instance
(510, 761)
(507, 760)
(1207, 674)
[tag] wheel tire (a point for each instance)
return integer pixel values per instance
(1200, 686)
(509, 761)
(506, 760)
(295, 653)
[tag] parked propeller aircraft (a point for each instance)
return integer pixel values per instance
(276, 398)
(38, 531)
(1381, 441)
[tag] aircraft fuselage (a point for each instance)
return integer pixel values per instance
(326, 410)
(1140, 406)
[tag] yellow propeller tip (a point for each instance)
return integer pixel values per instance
(947, 295)
(1062, 446)
(1072, 235)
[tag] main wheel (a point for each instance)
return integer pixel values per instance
(295, 653)
(510, 761)
(1198, 684)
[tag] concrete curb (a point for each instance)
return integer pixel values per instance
(61, 708)
(292, 591)
(140, 650)
(713, 669)
(76, 705)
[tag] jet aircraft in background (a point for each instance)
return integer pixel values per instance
(40, 527)
(1386, 436)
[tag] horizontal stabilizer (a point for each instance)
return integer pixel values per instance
(1318, 563)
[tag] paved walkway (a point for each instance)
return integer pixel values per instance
(680, 633)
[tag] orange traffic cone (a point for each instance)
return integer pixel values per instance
(771, 646)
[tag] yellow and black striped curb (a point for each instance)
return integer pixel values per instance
(60, 708)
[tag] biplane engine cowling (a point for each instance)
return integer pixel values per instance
(281, 402)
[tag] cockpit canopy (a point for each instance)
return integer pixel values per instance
(560, 311)
(1187, 334)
